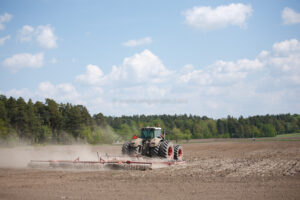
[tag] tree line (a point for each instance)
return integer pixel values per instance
(52, 122)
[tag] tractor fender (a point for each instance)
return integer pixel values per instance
(136, 142)
(154, 142)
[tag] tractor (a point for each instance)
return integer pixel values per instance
(152, 143)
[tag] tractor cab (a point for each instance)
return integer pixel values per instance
(150, 132)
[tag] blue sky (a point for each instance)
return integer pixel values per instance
(213, 58)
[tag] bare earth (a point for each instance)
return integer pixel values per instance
(214, 170)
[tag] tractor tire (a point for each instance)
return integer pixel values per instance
(156, 149)
(126, 148)
(166, 150)
(154, 152)
(178, 153)
(133, 150)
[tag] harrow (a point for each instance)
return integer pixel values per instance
(107, 162)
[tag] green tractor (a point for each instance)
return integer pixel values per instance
(152, 144)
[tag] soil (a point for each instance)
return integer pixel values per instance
(214, 170)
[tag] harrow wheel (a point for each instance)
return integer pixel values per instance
(178, 152)
(166, 150)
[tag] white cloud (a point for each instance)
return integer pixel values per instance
(206, 18)
(24, 60)
(4, 39)
(228, 70)
(281, 64)
(286, 46)
(141, 78)
(189, 74)
(220, 72)
(44, 35)
(284, 62)
(141, 68)
(26, 33)
(263, 54)
(138, 42)
(46, 89)
(141, 84)
(65, 92)
(289, 16)
(4, 19)
(25, 93)
(268, 83)
(92, 76)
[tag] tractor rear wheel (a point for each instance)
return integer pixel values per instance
(166, 150)
(126, 148)
(178, 152)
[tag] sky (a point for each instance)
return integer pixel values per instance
(212, 58)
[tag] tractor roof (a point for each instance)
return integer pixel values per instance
(152, 127)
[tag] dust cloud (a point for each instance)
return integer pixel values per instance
(19, 157)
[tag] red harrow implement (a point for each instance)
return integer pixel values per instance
(107, 162)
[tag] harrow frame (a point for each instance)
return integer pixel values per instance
(113, 162)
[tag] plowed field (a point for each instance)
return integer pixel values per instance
(230, 169)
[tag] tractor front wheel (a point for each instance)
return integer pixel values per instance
(126, 148)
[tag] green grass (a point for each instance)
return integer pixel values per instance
(291, 135)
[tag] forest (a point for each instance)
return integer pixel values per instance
(64, 123)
